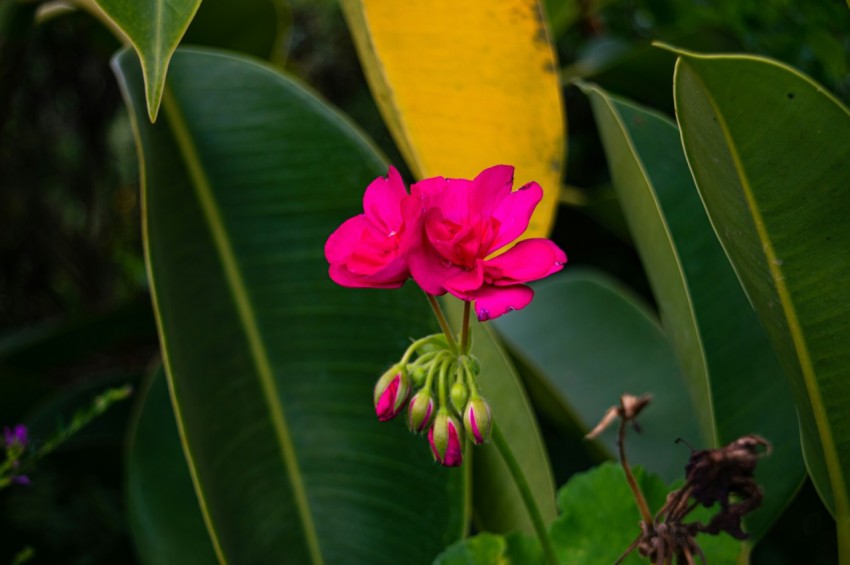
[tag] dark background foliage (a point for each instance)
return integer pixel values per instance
(75, 314)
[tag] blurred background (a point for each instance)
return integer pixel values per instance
(75, 314)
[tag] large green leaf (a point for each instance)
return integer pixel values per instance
(154, 29)
(736, 381)
(587, 340)
(271, 366)
(768, 149)
(497, 503)
(167, 524)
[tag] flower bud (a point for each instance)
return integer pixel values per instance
(446, 439)
(459, 395)
(391, 392)
(476, 420)
(419, 411)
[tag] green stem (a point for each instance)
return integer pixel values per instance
(464, 340)
(525, 492)
(444, 325)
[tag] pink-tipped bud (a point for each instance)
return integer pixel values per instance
(476, 420)
(446, 439)
(419, 411)
(391, 392)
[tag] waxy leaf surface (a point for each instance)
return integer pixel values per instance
(768, 149)
(271, 366)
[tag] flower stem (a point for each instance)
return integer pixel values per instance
(525, 492)
(444, 325)
(643, 507)
(464, 339)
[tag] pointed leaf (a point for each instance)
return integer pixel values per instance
(466, 85)
(736, 381)
(589, 340)
(154, 29)
(498, 506)
(768, 149)
(269, 365)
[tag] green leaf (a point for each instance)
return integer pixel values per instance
(154, 29)
(166, 521)
(736, 381)
(498, 506)
(493, 549)
(768, 149)
(587, 340)
(599, 519)
(271, 365)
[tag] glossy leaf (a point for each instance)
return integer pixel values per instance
(271, 365)
(736, 381)
(587, 340)
(466, 85)
(600, 519)
(767, 147)
(166, 521)
(498, 506)
(154, 29)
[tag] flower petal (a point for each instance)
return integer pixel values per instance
(490, 188)
(514, 212)
(429, 270)
(382, 202)
(528, 260)
(344, 239)
(466, 282)
(492, 302)
(392, 276)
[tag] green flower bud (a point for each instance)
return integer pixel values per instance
(419, 411)
(459, 395)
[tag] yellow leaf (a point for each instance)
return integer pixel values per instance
(466, 85)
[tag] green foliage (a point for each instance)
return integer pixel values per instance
(761, 141)
(154, 29)
(259, 340)
(565, 337)
(736, 382)
(167, 524)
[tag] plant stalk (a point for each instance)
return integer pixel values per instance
(643, 507)
(525, 491)
(464, 336)
(444, 325)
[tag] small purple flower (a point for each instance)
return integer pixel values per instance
(15, 436)
(21, 480)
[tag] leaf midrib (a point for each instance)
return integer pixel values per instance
(810, 379)
(247, 317)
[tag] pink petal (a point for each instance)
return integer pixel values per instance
(344, 239)
(514, 212)
(490, 188)
(492, 302)
(466, 282)
(428, 189)
(528, 260)
(382, 202)
(429, 269)
(392, 276)
(454, 201)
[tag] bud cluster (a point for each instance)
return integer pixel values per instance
(440, 389)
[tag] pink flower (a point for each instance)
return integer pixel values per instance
(368, 250)
(461, 224)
